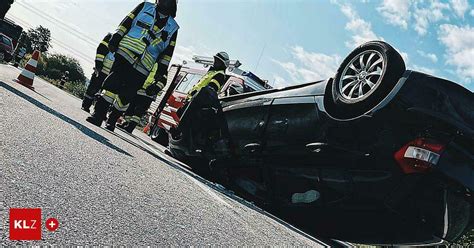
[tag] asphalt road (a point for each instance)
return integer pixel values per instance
(111, 188)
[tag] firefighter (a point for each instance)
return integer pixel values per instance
(104, 60)
(64, 79)
(215, 76)
(142, 102)
(146, 36)
(208, 119)
(211, 82)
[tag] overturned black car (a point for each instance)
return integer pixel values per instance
(378, 154)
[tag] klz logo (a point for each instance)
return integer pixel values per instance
(25, 224)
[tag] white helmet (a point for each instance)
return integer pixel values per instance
(224, 57)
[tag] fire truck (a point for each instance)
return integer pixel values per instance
(10, 29)
(181, 78)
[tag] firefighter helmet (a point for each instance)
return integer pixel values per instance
(224, 57)
(167, 7)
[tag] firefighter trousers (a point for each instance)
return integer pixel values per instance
(94, 87)
(136, 111)
(119, 89)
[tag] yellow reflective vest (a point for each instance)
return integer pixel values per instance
(205, 81)
(144, 42)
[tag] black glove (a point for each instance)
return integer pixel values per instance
(160, 78)
(213, 87)
(114, 42)
(99, 65)
(152, 90)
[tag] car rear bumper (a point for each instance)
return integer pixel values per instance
(439, 98)
(458, 164)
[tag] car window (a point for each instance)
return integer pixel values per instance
(6, 41)
(252, 85)
(181, 79)
(188, 82)
(234, 86)
(178, 78)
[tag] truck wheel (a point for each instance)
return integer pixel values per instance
(365, 78)
(159, 135)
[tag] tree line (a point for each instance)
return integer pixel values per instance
(51, 65)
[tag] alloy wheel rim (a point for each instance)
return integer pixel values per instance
(362, 75)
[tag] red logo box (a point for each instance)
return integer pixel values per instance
(25, 224)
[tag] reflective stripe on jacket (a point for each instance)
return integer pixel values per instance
(149, 81)
(143, 43)
(205, 81)
(108, 63)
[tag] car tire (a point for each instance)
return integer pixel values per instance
(365, 77)
(159, 135)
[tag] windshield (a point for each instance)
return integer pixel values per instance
(253, 84)
(6, 40)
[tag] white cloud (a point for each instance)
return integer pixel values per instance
(307, 66)
(460, 7)
(424, 69)
(279, 82)
(459, 42)
(405, 57)
(424, 16)
(430, 56)
(472, 12)
(421, 14)
(360, 28)
(396, 12)
(183, 53)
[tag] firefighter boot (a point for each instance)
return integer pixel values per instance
(86, 104)
(123, 126)
(112, 120)
(130, 127)
(100, 112)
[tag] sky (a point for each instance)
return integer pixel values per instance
(284, 41)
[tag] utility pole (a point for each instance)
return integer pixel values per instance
(4, 7)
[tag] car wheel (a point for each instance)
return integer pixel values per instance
(159, 135)
(365, 78)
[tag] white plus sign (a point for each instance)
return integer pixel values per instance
(51, 224)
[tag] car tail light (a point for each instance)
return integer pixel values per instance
(419, 156)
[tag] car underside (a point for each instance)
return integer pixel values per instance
(384, 162)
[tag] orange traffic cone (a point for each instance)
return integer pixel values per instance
(28, 74)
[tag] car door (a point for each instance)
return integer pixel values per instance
(246, 120)
(303, 170)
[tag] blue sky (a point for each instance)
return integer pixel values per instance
(283, 41)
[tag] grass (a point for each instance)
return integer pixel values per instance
(74, 88)
(468, 239)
